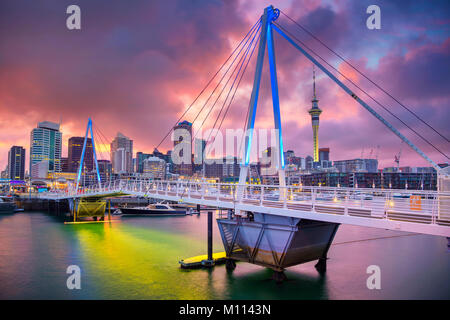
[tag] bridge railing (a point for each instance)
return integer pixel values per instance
(406, 205)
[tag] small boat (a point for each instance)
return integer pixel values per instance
(7, 205)
(117, 212)
(158, 209)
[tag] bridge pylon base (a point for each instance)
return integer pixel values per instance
(230, 265)
(279, 276)
(276, 242)
(94, 208)
(321, 265)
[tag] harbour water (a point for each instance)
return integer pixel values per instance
(137, 258)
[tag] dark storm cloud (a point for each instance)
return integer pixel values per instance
(136, 65)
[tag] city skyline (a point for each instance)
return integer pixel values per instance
(141, 89)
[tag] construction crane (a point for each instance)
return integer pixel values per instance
(397, 158)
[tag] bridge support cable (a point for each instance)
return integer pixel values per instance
(350, 92)
(240, 72)
(234, 93)
(211, 80)
(245, 48)
(104, 142)
(366, 77)
(362, 90)
(244, 61)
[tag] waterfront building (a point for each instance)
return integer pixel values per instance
(40, 169)
(62, 177)
(140, 157)
(309, 161)
(5, 173)
(45, 145)
(16, 163)
(357, 165)
(183, 132)
(65, 164)
(158, 154)
(324, 154)
(213, 168)
(121, 149)
(388, 180)
(199, 150)
(315, 114)
(417, 170)
(231, 167)
(268, 161)
(288, 155)
(225, 167)
(416, 181)
(299, 162)
(155, 167)
(324, 158)
(105, 170)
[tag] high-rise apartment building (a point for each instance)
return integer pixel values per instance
(45, 145)
(16, 163)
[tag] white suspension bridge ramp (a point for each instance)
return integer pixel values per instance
(278, 226)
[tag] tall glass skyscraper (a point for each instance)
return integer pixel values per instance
(45, 145)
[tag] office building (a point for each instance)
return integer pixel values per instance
(75, 149)
(155, 167)
(122, 154)
(183, 133)
(16, 163)
(65, 164)
(140, 157)
(357, 165)
(40, 170)
(105, 170)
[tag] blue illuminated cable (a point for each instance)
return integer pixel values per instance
(362, 90)
(243, 59)
(234, 93)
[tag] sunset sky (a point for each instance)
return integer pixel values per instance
(136, 65)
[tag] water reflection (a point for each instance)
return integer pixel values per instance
(138, 259)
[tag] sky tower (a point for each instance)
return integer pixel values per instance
(315, 113)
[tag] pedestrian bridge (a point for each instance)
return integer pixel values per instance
(417, 211)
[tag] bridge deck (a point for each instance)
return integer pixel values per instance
(407, 210)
